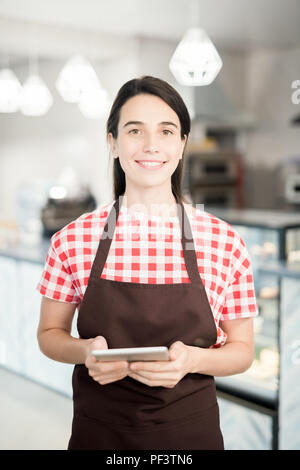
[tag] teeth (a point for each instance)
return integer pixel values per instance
(151, 163)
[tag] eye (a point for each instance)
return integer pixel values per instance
(135, 131)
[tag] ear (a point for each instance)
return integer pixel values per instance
(183, 146)
(113, 145)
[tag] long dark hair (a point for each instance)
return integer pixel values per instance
(152, 86)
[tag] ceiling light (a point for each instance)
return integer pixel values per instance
(35, 98)
(195, 61)
(10, 88)
(76, 76)
(95, 103)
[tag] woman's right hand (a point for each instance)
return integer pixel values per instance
(104, 372)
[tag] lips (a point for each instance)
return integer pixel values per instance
(154, 161)
(150, 164)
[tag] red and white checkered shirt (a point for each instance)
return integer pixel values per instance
(148, 249)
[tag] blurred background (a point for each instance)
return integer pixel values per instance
(61, 65)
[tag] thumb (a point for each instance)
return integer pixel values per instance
(175, 350)
(100, 343)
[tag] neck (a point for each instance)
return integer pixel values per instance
(151, 201)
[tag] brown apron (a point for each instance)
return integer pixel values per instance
(127, 414)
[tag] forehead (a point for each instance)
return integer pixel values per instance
(147, 108)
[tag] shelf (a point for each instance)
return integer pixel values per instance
(258, 218)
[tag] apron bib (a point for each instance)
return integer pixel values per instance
(128, 414)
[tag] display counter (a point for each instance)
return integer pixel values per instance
(21, 267)
(267, 388)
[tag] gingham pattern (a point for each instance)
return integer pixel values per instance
(148, 250)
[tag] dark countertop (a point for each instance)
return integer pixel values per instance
(280, 268)
(256, 217)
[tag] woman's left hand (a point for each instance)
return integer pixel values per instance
(163, 373)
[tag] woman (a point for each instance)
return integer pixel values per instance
(187, 286)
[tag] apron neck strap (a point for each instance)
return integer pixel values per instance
(186, 240)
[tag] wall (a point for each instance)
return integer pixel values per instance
(36, 149)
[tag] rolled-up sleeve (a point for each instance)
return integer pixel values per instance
(240, 299)
(56, 280)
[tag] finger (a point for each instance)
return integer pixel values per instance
(176, 350)
(157, 366)
(100, 343)
(139, 378)
(108, 379)
(152, 382)
(91, 359)
(108, 370)
(166, 376)
(90, 362)
(111, 366)
(100, 368)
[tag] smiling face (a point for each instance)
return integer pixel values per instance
(148, 130)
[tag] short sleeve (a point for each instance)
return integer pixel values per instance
(56, 281)
(240, 299)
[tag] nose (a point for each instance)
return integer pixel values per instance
(150, 144)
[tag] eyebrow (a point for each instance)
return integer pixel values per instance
(164, 123)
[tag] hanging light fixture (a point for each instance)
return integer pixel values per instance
(195, 61)
(10, 89)
(76, 76)
(35, 98)
(94, 103)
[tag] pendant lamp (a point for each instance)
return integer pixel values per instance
(35, 98)
(10, 89)
(195, 61)
(76, 76)
(95, 103)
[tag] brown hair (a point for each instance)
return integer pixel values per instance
(153, 86)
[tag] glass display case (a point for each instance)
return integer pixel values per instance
(260, 381)
(273, 242)
(268, 235)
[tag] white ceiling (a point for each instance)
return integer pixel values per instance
(237, 24)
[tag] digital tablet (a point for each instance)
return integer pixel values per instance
(157, 353)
